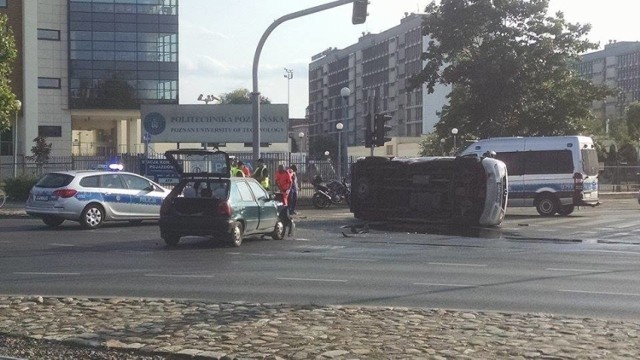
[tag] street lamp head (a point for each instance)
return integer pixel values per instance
(339, 126)
(300, 134)
(454, 131)
(345, 92)
(326, 153)
(18, 104)
(442, 141)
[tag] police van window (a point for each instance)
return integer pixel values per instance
(245, 192)
(111, 181)
(135, 183)
(590, 164)
(513, 160)
(548, 162)
(90, 181)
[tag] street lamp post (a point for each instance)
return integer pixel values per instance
(288, 74)
(454, 131)
(345, 92)
(301, 137)
(442, 141)
(18, 104)
(339, 127)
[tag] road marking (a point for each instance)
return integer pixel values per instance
(44, 273)
(65, 245)
(321, 280)
(447, 285)
(250, 254)
(574, 270)
(599, 293)
(348, 259)
(454, 264)
(180, 276)
(301, 239)
(614, 251)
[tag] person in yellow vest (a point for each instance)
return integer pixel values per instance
(261, 174)
(235, 169)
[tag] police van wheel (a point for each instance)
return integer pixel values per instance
(92, 216)
(566, 210)
(546, 205)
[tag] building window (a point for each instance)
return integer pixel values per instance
(3, 3)
(48, 34)
(50, 131)
(48, 83)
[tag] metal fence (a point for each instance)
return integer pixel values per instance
(307, 169)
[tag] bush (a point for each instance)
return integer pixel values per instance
(18, 188)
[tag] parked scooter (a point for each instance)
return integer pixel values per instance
(334, 192)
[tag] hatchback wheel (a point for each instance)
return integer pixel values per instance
(278, 231)
(171, 240)
(235, 235)
(52, 221)
(92, 216)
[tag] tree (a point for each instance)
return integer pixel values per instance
(8, 54)
(430, 145)
(41, 152)
(509, 65)
(240, 96)
(633, 120)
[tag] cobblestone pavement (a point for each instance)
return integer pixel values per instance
(159, 327)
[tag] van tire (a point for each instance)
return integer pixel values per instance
(547, 205)
(566, 210)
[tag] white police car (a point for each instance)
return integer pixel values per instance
(92, 197)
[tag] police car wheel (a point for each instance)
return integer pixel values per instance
(92, 216)
(52, 221)
(278, 231)
(235, 235)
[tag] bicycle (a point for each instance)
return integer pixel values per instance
(3, 197)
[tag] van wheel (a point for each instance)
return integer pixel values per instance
(235, 235)
(566, 210)
(546, 205)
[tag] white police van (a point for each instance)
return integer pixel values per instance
(555, 174)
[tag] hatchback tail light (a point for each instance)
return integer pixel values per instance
(224, 208)
(65, 193)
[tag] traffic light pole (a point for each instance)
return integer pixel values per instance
(255, 95)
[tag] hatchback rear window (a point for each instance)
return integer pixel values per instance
(54, 180)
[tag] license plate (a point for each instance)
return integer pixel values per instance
(42, 197)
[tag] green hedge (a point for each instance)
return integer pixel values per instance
(18, 188)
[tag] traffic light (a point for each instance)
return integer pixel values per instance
(359, 15)
(368, 132)
(380, 129)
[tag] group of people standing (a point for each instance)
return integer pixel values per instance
(286, 180)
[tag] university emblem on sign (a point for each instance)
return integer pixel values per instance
(154, 123)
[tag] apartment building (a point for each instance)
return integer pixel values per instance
(377, 65)
(85, 67)
(617, 66)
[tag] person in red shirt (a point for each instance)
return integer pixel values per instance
(283, 181)
(245, 169)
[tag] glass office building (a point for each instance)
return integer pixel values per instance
(122, 53)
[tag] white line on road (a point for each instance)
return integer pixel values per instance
(599, 293)
(180, 276)
(348, 259)
(45, 273)
(574, 270)
(455, 264)
(250, 254)
(614, 252)
(322, 280)
(447, 285)
(65, 245)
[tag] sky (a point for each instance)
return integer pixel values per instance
(218, 39)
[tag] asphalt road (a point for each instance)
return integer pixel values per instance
(587, 264)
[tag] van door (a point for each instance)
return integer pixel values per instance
(515, 169)
(549, 171)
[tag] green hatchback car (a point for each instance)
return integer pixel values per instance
(208, 202)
